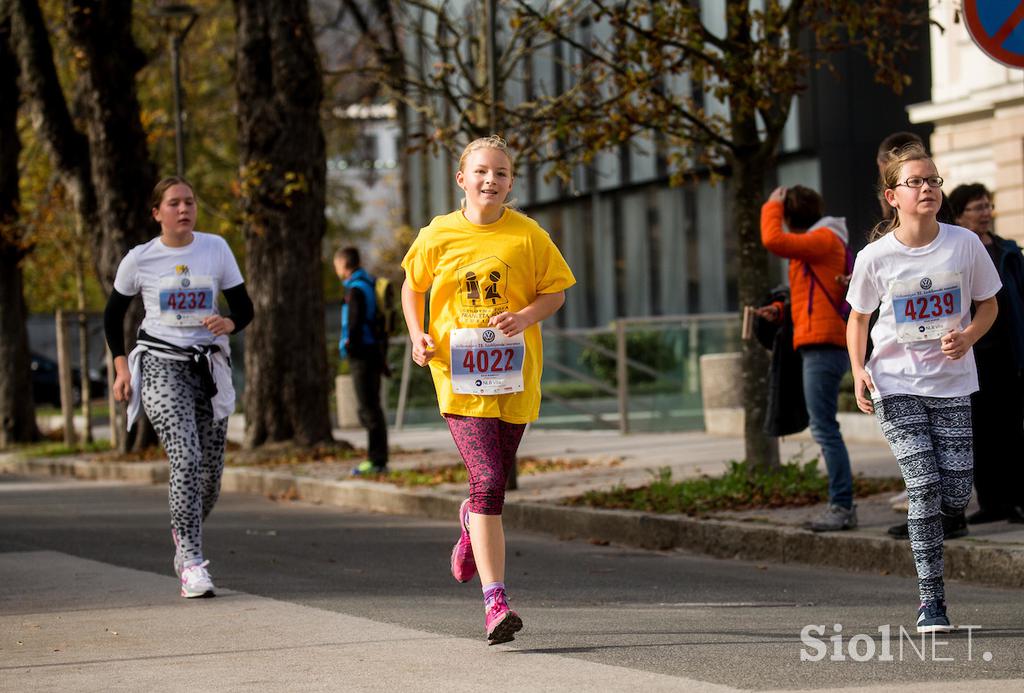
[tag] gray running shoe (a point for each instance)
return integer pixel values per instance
(834, 518)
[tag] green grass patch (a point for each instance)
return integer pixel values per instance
(742, 487)
(456, 473)
(100, 410)
(50, 448)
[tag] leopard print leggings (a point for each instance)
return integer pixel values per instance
(488, 447)
(194, 443)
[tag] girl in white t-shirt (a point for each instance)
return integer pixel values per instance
(180, 368)
(922, 276)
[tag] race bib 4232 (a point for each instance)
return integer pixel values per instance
(185, 301)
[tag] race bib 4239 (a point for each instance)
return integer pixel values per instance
(927, 307)
(486, 362)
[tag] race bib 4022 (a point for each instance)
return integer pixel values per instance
(486, 362)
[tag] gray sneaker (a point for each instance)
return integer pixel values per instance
(834, 518)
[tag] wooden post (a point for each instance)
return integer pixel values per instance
(403, 388)
(67, 397)
(622, 375)
(115, 428)
(83, 365)
(693, 357)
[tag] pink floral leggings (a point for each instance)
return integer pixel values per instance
(488, 447)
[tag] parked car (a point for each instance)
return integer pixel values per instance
(46, 382)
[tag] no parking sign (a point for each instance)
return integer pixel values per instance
(997, 26)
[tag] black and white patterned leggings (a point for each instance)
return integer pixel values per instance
(194, 443)
(931, 438)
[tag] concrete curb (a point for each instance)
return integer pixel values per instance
(990, 564)
(134, 472)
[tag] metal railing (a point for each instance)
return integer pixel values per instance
(625, 365)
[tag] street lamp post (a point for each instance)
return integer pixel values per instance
(492, 63)
(185, 16)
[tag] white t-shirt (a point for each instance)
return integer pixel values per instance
(922, 293)
(179, 286)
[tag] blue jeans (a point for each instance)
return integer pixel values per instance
(823, 369)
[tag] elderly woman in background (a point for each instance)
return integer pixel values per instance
(998, 407)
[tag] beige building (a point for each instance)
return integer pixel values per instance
(977, 108)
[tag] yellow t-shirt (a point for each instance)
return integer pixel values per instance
(474, 272)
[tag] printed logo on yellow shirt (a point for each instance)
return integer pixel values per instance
(483, 289)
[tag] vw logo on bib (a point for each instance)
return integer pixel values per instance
(488, 336)
(926, 283)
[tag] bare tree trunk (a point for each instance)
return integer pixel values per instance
(122, 172)
(283, 172)
(748, 182)
(113, 158)
(68, 148)
(107, 170)
(121, 169)
(17, 409)
(750, 159)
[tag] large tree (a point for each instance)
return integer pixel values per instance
(17, 411)
(719, 89)
(122, 171)
(106, 169)
(282, 179)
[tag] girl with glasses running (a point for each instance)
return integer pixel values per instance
(493, 275)
(923, 276)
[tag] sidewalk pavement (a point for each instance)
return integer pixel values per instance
(73, 631)
(990, 554)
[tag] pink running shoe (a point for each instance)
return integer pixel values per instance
(502, 623)
(463, 563)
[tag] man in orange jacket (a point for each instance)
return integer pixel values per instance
(818, 267)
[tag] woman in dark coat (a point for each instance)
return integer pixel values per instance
(998, 407)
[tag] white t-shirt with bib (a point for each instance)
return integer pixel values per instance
(921, 293)
(180, 286)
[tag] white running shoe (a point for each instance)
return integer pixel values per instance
(196, 582)
(178, 560)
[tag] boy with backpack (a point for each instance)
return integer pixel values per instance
(820, 263)
(364, 342)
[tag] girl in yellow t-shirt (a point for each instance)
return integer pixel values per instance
(493, 275)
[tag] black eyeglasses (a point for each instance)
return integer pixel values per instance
(918, 181)
(981, 207)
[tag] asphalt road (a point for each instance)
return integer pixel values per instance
(731, 623)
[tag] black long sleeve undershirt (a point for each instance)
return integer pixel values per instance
(113, 321)
(240, 305)
(238, 299)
